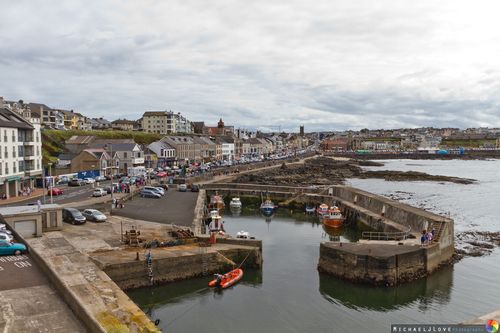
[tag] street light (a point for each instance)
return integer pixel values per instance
(112, 187)
(51, 186)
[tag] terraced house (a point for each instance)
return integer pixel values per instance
(20, 151)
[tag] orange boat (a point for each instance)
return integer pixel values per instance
(333, 218)
(227, 280)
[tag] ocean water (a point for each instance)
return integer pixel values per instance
(289, 295)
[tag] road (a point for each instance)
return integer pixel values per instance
(174, 208)
(71, 194)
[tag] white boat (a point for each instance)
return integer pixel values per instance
(235, 203)
(243, 234)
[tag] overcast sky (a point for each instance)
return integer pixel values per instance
(329, 65)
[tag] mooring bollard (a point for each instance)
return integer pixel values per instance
(137, 256)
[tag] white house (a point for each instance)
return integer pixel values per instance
(20, 152)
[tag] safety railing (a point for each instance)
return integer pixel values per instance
(382, 235)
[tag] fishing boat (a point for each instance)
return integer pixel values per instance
(226, 280)
(310, 209)
(235, 203)
(267, 207)
(216, 202)
(243, 234)
(333, 218)
(322, 209)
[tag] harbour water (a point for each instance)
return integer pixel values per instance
(289, 295)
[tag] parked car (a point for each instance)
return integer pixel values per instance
(155, 189)
(150, 194)
(73, 216)
(6, 237)
(195, 188)
(99, 192)
(182, 187)
(89, 180)
(8, 248)
(76, 182)
(100, 178)
(55, 191)
(94, 215)
(108, 188)
(163, 186)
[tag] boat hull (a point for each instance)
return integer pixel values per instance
(333, 222)
(228, 279)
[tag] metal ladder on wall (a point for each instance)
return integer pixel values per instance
(204, 259)
(149, 269)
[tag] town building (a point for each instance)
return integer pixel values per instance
(20, 152)
(100, 124)
(165, 154)
(123, 125)
(91, 159)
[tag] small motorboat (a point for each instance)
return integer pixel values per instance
(226, 280)
(322, 209)
(310, 209)
(243, 234)
(267, 207)
(333, 218)
(235, 203)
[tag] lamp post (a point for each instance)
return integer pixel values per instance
(112, 187)
(51, 186)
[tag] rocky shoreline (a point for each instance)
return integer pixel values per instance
(327, 171)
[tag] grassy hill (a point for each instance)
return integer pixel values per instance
(53, 141)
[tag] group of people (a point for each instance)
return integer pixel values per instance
(118, 203)
(427, 236)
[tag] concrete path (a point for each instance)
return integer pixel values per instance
(28, 303)
(97, 300)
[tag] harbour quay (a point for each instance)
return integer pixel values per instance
(389, 255)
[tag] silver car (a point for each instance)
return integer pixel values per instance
(94, 215)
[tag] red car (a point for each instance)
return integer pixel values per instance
(55, 191)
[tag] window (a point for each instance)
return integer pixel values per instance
(21, 166)
(14, 167)
(37, 164)
(125, 155)
(13, 136)
(37, 151)
(5, 135)
(6, 153)
(6, 168)
(1, 170)
(37, 136)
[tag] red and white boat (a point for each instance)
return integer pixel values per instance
(322, 209)
(333, 218)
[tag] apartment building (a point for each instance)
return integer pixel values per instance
(20, 152)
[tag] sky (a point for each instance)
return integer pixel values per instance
(325, 64)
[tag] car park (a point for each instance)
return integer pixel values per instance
(76, 182)
(99, 192)
(182, 187)
(8, 248)
(55, 191)
(150, 194)
(73, 216)
(94, 215)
